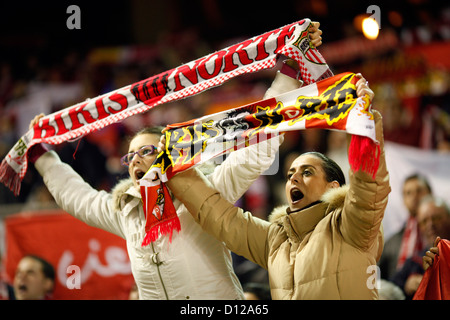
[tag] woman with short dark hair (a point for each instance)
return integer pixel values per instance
(324, 245)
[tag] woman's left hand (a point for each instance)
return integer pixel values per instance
(362, 87)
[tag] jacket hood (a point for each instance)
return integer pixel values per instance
(124, 191)
(120, 195)
(335, 198)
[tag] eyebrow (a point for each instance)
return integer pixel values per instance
(129, 151)
(302, 167)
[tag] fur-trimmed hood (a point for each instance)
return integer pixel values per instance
(334, 197)
(122, 193)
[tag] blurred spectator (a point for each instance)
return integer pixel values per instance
(34, 279)
(433, 217)
(408, 241)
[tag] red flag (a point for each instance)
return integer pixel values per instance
(435, 284)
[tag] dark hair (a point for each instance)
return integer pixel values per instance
(332, 170)
(420, 177)
(47, 268)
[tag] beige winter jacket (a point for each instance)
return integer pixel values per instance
(326, 251)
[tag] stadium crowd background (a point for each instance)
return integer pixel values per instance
(44, 66)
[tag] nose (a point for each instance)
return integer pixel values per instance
(294, 177)
(19, 276)
(135, 158)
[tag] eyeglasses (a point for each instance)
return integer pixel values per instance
(142, 152)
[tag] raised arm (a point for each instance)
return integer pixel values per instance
(367, 198)
(72, 193)
(77, 197)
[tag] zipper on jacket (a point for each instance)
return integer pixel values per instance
(158, 263)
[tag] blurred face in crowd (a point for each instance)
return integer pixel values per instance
(433, 220)
(30, 282)
(306, 182)
(139, 165)
(413, 191)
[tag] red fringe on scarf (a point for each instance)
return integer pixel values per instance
(364, 154)
(9, 177)
(163, 228)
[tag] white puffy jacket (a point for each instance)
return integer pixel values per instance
(195, 265)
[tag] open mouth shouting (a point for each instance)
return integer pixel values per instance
(296, 195)
(138, 174)
(22, 289)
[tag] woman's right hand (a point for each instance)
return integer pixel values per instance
(38, 149)
(36, 120)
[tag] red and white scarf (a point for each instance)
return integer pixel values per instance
(252, 55)
(328, 104)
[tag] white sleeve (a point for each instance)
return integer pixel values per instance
(76, 196)
(242, 167)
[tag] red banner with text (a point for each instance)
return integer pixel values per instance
(89, 263)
